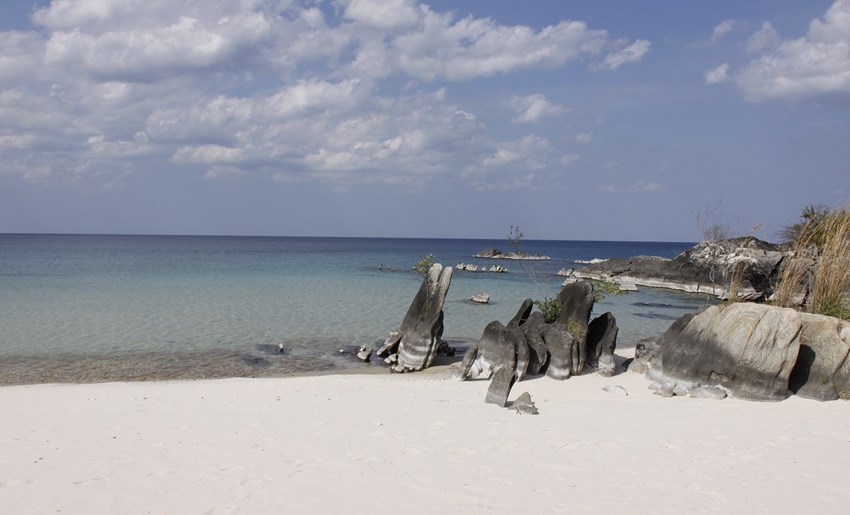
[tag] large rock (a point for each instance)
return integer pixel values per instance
(822, 370)
(562, 346)
(566, 338)
(601, 343)
(422, 327)
(750, 349)
(533, 330)
(708, 267)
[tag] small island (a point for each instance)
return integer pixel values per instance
(494, 253)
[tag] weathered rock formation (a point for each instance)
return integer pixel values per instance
(754, 351)
(528, 345)
(494, 253)
(751, 265)
(417, 341)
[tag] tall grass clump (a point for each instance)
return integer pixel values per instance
(818, 272)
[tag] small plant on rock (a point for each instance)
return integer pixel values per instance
(550, 308)
(424, 265)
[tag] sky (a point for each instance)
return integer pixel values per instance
(574, 119)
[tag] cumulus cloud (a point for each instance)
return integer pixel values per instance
(721, 29)
(630, 54)
(765, 38)
(291, 90)
(816, 64)
(533, 108)
(717, 75)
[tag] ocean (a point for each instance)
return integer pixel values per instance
(88, 308)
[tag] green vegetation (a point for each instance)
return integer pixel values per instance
(550, 308)
(424, 265)
(603, 287)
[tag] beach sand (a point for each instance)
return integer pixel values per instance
(414, 443)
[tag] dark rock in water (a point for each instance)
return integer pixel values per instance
(748, 348)
(523, 405)
(533, 329)
(365, 353)
(601, 343)
(481, 298)
(500, 385)
(390, 345)
(422, 328)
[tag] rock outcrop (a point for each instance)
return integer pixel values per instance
(755, 351)
(751, 265)
(417, 341)
(494, 253)
(527, 345)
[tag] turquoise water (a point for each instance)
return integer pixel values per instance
(92, 308)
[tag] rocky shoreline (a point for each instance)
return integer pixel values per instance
(746, 349)
(494, 253)
(707, 268)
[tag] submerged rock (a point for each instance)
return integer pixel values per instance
(481, 298)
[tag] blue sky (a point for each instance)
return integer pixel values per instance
(611, 120)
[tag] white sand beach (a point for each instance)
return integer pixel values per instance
(417, 443)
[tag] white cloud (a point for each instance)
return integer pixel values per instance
(533, 108)
(384, 14)
(630, 54)
(129, 41)
(717, 75)
(291, 90)
(584, 137)
(766, 38)
(817, 64)
(722, 29)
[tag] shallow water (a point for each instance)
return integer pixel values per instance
(92, 308)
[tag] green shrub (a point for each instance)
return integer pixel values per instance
(603, 287)
(424, 265)
(550, 308)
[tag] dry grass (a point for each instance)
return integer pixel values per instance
(823, 288)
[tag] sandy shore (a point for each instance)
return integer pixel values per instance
(413, 444)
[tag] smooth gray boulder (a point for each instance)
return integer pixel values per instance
(822, 371)
(500, 385)
(422, 327)
(748, 348)
(481, 298)
(601, 343)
